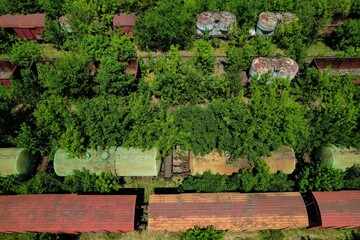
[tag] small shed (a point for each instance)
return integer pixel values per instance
(15, 161)
(7, 70)
(26, 26)
(126, 22)
(116, 160)
(67, 213)
(341, 66)
(338, 209)
(226, 211)
(338, 157)
(281, 160)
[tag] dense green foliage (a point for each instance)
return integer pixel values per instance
(311, 178)
(79, 182)
(67, 103)
(164, 25)
(23, 53)
(258, 179)
(347, 35)
(320, 178)
(208, 233)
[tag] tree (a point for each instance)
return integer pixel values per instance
(204, 58)
(67, 77)
(347, 35)
(319, 178)
(164, 25)
(86, 182)
(41, 183)
(23, 53)
(103, 121)
(27, 89)
(111, 78)
(352, 177)
(10, 184)
(54, 32)
(208, 233)
(90, 17)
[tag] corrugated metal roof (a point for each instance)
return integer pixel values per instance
(116, 160)
(67, 213)
(22, 21)
(339, 209)
(337, 63)
(227, 211)
(124, 20)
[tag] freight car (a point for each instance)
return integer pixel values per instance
(71, 213)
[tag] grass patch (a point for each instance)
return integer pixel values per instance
(150, 183)
(320, 49)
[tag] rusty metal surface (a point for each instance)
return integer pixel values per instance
(207, 17)
(6, 70)
(268, 18)
(22, 21)
(337, 63)
(67, 213)
(262, 65)
(124, 20)
(227, 211)
(133, 67)
(339, 209)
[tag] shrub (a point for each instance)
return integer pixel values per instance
(208, 233)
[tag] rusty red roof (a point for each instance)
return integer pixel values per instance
(124, 20)
(339, 209)
(22, 21)
(67, 213)
(226, 211)
(338, 64)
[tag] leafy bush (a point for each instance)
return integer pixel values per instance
(23, 53)
(208, 233)
(320, 177)
(352, 177)
(347, 35)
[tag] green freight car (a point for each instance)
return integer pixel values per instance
(338, 157)
(15, 161)
(118, 161)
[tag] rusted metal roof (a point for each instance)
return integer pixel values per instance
(124, 20)
(339, 209)
(67, 213)
(268, 18)
(22, 21)
(339, 65)
(227, 211)
(6, 71)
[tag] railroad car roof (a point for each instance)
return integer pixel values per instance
(339, 209)
(124, 19)
(67, 213)
(22, 21)
(227, 211)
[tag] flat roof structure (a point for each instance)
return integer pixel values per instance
(226, 211)
(126, 22)
(67, 213)
(341, 66)
(22, 21)
(338, 209)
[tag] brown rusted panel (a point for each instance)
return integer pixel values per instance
(339, 209)
(6, 71)
(337, 63)
(123, 19)
(20, 33)
(227, 211)
(67, 213)
(28, 34)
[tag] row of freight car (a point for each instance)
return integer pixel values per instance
(71, 213)
(138, 163)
